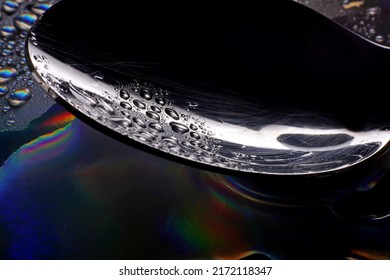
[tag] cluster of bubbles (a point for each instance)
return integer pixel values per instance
(17, 87)
(364, 17)
(155, 116)
(144, 112)
(368, 24)
(168, 119)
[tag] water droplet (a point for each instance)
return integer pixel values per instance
(21, 53)
(140, 138)
(25, 21)
(98, 77)
(207, 159)
(172, 113)
(195, 135)
(379, 39)
(156, 127)
(6, 108)
(160, 101)
(373, 11)
(145, 94)
(193, 127)
(40, 8)
(140, 123)
(7, 31)
(170, 139)
(152, 115)
(135, 87)
(10, 44)
(63, 88)
(99, 118)
(148, 136)
(179, 128)
(139, 104)
(11, 122)
(124, 94)
(82, 95)
(19, 97)
(3, 90)
(125, 105)
(6, 52)
(155, 109)
(23, 34)
(122, 122)
(187, 145)
(192, 105)
(10, 7)
(105, 105)
(10, 61)
(205, 148)
(7, 74)
(126, 114)
(176, 150)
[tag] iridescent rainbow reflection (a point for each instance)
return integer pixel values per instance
(58, 120)
(43, 150)
(7, 74)
(75, 182)
(210, 223)
(47, 146)
(74, 193)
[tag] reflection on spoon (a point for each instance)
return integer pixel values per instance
(368, 19)
(243, 92)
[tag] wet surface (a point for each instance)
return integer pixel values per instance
(232, 114)
(17, 108)
(367, 18)
(70, 191)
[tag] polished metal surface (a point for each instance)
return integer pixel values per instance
(285, 120)
(366, 18)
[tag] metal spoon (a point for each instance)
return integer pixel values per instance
(240, 89)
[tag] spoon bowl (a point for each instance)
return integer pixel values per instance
(243, 89)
